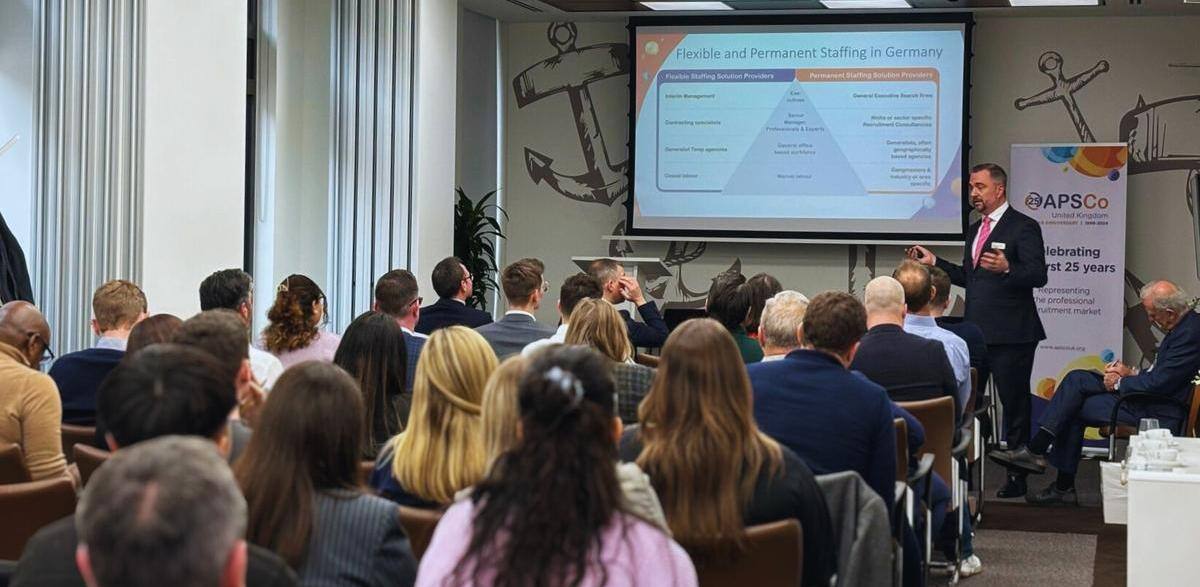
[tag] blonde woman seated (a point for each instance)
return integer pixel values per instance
(441, 451)
(596, 323)
(500, 416)
(550, 511)
(714, 471)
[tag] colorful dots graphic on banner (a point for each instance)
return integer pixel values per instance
(1090, 161)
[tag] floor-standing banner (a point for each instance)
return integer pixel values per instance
(1077, 193)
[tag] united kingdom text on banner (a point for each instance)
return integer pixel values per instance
(1077, 193)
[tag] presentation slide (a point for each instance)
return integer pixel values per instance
(829, 131)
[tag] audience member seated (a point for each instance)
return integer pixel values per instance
(117, 306)
(221, 334)
(550, 512)
(596, 323)
(501, 415)
(523, 287)
(374, 353)
(779, 324)
(729, 303)
(440, 451)
(162, 390)
(453, 284)
(715, 472)
(759, 288)
(396, 295)
(156, 329)
(811, 403)
(300, 477)
(294, 332)
(918, 296)
(1086, 398)
(166, 512)
(908, 366)
(577, 287)
(968, 331)
(30, 409)
(617, 287)
(233, 289)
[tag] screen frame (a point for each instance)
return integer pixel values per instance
(964, 18)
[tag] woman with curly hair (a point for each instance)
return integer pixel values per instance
(294, 332)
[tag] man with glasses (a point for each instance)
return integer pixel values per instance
(396, 295)
(30, 409)
(453, 284)
(523, 287)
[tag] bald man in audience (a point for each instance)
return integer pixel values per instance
(909, 367)
(918, 297)
(30, 408)
(1087, 398)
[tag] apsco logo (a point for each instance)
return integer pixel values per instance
(1035, 201)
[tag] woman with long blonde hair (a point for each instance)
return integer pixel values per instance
(441, 451)
(597, 324)
(714, 471)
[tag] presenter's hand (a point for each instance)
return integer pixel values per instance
(921, 255)
(994, 260)
(631, 290)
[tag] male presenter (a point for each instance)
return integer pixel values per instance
(1003, 261)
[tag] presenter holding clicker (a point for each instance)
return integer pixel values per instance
(1003, 261)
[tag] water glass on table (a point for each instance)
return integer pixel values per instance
(1147, 424)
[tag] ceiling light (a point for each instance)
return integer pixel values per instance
(1054, 2)
(687, 6)
(854, 4)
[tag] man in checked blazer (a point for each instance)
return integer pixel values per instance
(523, 287)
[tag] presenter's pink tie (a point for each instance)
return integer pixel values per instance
(984, 231)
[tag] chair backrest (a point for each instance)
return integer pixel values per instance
(26, 507)
(89, 458)
(12, 465)
(419, 524)
(901, 450)
(647, 360)
(1193, 414)
(937, 417)
(72, 435)
(774, 555)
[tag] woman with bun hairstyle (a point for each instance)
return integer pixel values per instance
(294, 332)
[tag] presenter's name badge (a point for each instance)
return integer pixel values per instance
(997, 246)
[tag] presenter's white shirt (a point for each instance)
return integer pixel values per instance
(995, 216)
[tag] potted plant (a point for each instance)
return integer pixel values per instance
(476, 231)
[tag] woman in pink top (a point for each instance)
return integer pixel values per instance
(294, 333)
(550, 511)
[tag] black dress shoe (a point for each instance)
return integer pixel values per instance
(1052, 495)
(1015, 487)
(1019, 460)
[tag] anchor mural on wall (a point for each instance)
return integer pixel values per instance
(571, 71)
(1062, 89)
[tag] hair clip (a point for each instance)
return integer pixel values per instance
(567, 383)
(283, 286)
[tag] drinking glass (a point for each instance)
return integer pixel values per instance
(1147, 424)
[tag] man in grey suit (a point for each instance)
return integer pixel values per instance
(523, 288)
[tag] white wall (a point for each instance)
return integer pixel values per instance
(16, 118)
(478, 108)
(434, 136)
(194, 147)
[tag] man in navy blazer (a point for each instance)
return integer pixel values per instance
(1003, 261)
(523, 287)
(618, 287)
(396, 295)
(1086, 398)
(453, 284)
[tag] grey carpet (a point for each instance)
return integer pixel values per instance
(1034, 558)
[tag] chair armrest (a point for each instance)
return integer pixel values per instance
(1142, 396)
(959, 450)
(924, 467)
(982, 404)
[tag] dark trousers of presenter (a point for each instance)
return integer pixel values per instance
(1002, 305)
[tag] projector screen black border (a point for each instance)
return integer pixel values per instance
(956, 17)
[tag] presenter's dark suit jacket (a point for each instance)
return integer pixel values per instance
(1002, 304)
(834, 419)
(909, 367)
(651, 332)
(510, 334)
(450, 312)
(49, 561)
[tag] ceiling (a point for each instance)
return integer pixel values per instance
(545, 10)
